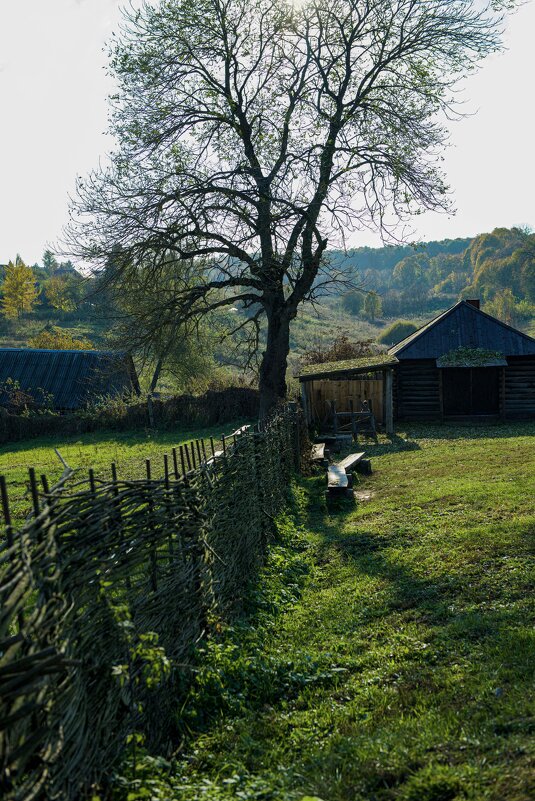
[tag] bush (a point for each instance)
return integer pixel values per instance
(212, 408)
(340, 350)
(396, 332)
(353, 301)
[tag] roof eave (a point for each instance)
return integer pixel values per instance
(349, 371)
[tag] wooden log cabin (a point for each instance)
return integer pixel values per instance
(462, 365)
(465, 364)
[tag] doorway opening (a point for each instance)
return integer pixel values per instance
(470, 391)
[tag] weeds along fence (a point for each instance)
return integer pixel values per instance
(215, 407)
(106, 590)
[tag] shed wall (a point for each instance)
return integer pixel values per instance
(417, 390)
(320, 393)
(520, 388)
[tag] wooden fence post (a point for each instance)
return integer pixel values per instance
(389, 403)
(153, 563)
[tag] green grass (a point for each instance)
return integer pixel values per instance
(389, 652)
(98, 450)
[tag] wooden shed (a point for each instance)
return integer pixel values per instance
(464, 364)
(70, 377)
(349, 382)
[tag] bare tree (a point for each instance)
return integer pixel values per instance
(252, 133)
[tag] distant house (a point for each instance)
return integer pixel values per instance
(464, 364)
(70, 377)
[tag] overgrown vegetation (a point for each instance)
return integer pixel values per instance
(496, 267)
(388, 651)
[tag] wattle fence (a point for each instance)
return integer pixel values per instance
(105, 592)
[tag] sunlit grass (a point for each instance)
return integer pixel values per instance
(390, 651)
(98, 450)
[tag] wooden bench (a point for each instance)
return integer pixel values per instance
(337, 478)
(339, 474)
(351, 461)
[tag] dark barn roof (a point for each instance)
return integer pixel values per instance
(72, 377)
(463, 326)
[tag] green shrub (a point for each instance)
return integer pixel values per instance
(396, 332)
(353, 301)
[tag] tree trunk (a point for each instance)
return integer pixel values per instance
(272, 383)
(156, 375)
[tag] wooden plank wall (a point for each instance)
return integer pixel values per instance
(417, 390)
(321, 392)
(520, 388)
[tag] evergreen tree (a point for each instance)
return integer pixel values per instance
(19, 290)
(49, 262)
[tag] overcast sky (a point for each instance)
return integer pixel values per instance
(53, 91)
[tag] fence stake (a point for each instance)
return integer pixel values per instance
(193, 455)
(33, 488)
(166, 470)
(212, 445)
(198, 451)
(175, 463)
(9, 532)
(166, 501)
(224, 444)
(182, 460)
(153, 577)
(187, 455)
(118, 513)
(203, 450)
(7, 513)
(92, 480)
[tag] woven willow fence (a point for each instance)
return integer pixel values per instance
(103, 563)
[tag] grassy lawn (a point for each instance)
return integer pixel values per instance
(98, 450)
(389, 652)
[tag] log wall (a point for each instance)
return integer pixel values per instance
(417, 390)
(519, 388)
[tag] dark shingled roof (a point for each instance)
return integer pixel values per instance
(463, 326)
(72, 377)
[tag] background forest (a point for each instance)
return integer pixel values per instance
(385, 294)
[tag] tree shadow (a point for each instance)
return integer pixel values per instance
(473, 629)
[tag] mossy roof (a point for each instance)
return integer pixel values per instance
(347, 367)
(472, 357)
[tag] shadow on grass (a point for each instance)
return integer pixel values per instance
(409, 436)
(470, 629)
(171, 435)
(467, 430)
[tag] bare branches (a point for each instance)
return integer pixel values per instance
(255, 134)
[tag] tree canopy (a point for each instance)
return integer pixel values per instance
(255, 133)
(19, 289)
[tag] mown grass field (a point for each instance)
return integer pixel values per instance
(98, 450)
(389, 649)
